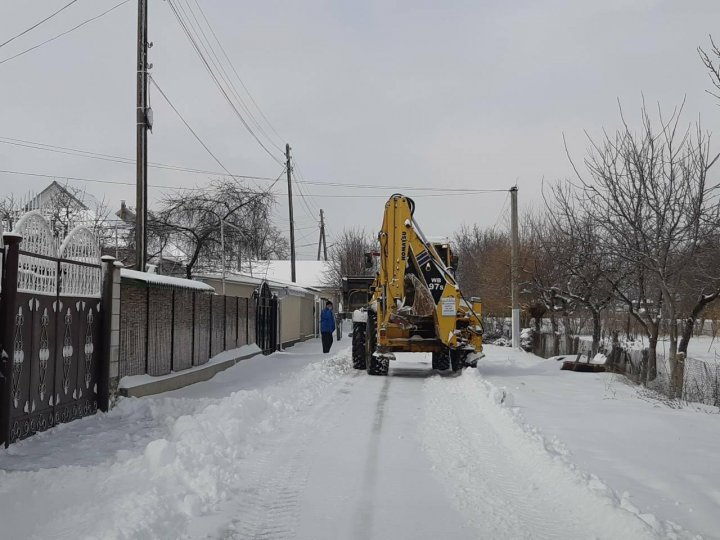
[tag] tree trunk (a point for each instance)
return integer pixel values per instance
(677, 377)
(596, 332)
(555, 334)
(652, 355)
(699, 307)
(627, 327)
(687, 332)
(673, 333)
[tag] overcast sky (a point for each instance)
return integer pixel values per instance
(405, 93)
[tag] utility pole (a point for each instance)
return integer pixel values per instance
(222, 252)
(321, 240)
(142, 129)
(514, 268)
(324, 239)
(290, 208)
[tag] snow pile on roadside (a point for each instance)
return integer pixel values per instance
(193, 463)
(495, 464)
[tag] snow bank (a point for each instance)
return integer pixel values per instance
(495, 463)
(663, 456)
(190, 458)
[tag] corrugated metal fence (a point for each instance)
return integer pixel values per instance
(165, 328)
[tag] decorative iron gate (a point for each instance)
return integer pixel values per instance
(54, 348)
(266, 319)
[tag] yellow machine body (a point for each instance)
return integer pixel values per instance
(418, 304)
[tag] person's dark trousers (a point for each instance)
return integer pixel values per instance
(327, 340)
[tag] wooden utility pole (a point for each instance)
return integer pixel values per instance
(321, 240)
(142, 129)
(290, 208)
(514, 268)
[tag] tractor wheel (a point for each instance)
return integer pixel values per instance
(457, 359)
(358, 345)
(441, 360)
(374, 365)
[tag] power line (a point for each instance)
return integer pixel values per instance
(117, 159)
(502, 211)
(152, 79)
(189, 34)
(38, 23)
(228, 80)
(64, 33)
(102, 181)
(376, 196)
(312, 212)
(218, 64)
(232, 66)
(131, 161)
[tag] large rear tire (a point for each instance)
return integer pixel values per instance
(457, 359)
(441, 360)
(375, 365)
(358, 345)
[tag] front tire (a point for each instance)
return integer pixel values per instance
(457, 360)
(441, 360)
(375, 365)
(358, 345)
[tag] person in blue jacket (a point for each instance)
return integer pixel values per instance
(327, 326)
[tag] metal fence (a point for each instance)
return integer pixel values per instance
(165, 328)
(701, 383)
(547, 345)
(50, 328)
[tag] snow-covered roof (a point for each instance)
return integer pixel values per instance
(308, 273)
(234, 277)
(51, 191)
(438, 239)
(165, 281)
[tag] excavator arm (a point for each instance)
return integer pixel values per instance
(419, 305)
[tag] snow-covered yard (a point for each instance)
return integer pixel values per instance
(299, 445)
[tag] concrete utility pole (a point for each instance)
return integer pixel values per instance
(142, 129)
(514, 268)
(222, 252)
(290, 208)
(321, 240)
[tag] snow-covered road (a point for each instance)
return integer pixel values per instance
(299, 446)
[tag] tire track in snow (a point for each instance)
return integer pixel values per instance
(504, 479)
(364, 524)
(270, 504)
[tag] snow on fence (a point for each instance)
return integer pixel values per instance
(702, 382)
(174, 324)
(547, 345)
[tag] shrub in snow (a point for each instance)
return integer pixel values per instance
(526, 339)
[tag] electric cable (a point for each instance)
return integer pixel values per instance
(217, 63)
(37, 24)
(64, 33)
(232, 66)
(214, 77)
(131, 161)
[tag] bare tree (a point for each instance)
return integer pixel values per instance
(542, 270)
(191, 221)
(484, 267)
(348, 256)
(650, 193)
(576, 246)
(711, 61)
(10, 210)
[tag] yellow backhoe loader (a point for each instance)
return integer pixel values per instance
(416, 304)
